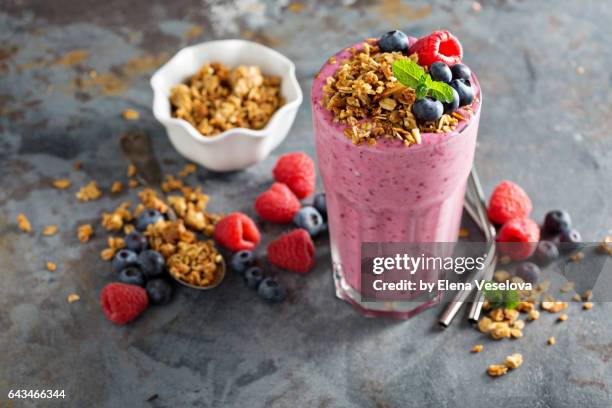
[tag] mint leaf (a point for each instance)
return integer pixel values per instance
(408, 72)
(508, 299)
(441, 91)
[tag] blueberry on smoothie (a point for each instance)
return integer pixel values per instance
(270, 290)
(464, 90)
(394, 41)
(439, 71)
(136, 242)
(132, 275)
(427, 109)
(450, 107)
(152, 263)
(123, 259)
(556, 222)
(253, 277)
(570, 240)
(320, 204)
(546, 252)
(309, 218)
(528, 271)
(148, 217)
(241, 260)
(461, 71)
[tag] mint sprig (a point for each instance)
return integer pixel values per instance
(412, 75)
(507, 299)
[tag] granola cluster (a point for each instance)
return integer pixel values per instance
(218, 98)
(364, 94)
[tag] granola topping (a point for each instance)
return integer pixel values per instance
(218, 98)
(365, 95)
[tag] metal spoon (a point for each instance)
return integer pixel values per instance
(138, 150)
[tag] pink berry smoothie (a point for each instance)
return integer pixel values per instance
(389, 192)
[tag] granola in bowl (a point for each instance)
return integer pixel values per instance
(218, 98)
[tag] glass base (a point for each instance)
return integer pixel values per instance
(397, 310)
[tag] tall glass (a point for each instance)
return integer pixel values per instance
(388, 192)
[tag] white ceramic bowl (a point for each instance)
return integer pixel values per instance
(237, 148)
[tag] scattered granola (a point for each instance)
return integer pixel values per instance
(587, 295)
(533, 315)
(51, 266)
(552, 341)
(73, 297)
(501, 276)
(133, 183)
(563, 317)
(50, 230)
(578, 256)
(187, 170)
(89, 192)
(218, 98)
(131, 114)
(497, 370)
(131, 170)
(85, 232)
(116, 187)
(62, 184)
(514, 361)
(23, 223)
(605, 246)
(554, 306)
(477, 348)
(587, 306)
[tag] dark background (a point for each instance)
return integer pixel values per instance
(545, 72)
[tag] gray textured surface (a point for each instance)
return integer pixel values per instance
(543, 125)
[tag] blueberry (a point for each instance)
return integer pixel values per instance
(152, 263)
(557, 222)
(570, 240)
(148, 217)
(450, 107)
(242, 260)
(394, 41)
(309, 218)
(461, 71)
(270, 290)
(427, 109)
(136, 242)
(123, 259)
(465, 91)
(159, 291)
(320, 204)
(546, 252)
(439, 71)
(528, 271)
(253, 277)
(132, 275)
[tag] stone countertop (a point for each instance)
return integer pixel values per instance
(68, 69)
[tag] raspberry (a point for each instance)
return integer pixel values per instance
(518, 238)
(438, 46)
(122, 302)
(278, 204)
(297, 171)
(293, 251)
(507, 202)
(237, 231)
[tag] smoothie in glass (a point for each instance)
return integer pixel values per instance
(388, 191)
